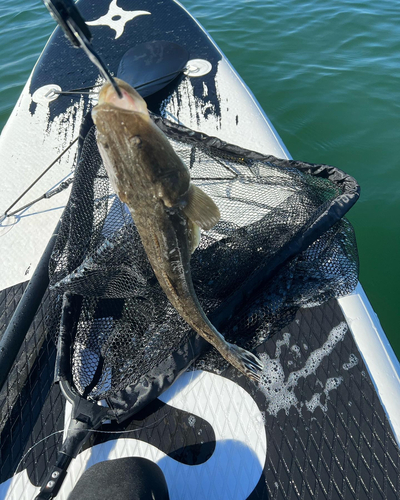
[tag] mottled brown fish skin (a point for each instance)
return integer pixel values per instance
(151, 179)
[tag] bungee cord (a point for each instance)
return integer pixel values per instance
(48, 194)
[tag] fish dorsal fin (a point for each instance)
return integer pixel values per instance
(200, 208)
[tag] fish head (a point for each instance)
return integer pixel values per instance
(131, 100)
(117, 117)
(137, 156)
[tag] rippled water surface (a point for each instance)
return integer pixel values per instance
(328, 76)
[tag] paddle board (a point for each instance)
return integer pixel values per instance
(325, 422)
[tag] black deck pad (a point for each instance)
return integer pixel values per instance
(335, 440)
(327, 434)
(64, 65)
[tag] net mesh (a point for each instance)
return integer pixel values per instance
(269, 255)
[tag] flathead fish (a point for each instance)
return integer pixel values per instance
(167, 208)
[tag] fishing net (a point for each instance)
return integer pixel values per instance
(282, 243)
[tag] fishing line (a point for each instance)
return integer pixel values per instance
(87, 430)
(34, 446)
(98, 431)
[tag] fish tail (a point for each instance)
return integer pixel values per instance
(244, 361)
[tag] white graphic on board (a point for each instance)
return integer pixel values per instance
(279, 390)
(231, 473)
(116, 18)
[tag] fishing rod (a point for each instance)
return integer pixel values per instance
(68, 17)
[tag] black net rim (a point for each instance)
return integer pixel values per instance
(160, 377)
(333, 212)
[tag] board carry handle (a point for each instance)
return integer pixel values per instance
(70, 20)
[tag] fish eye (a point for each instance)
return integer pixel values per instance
(136, 140)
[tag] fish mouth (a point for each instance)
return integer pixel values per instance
(131, 100)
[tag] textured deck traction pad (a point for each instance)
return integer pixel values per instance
(327, 433)
(337, 442)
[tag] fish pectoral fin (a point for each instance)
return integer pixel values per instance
(200, 208)
(193, 235)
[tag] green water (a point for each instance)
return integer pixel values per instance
(328, 76)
